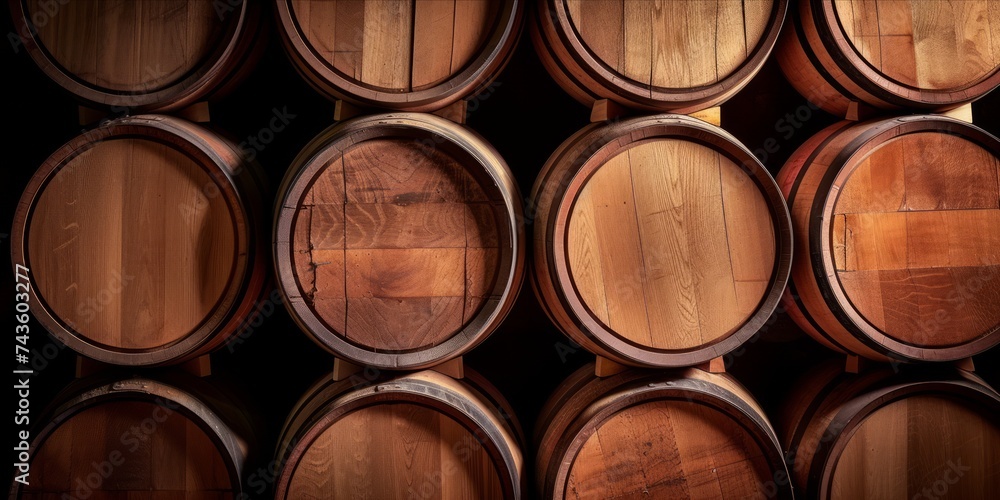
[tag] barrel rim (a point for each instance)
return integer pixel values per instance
(402, 390)
(671, 388)
(192, 86)
(607, 143)
(553, 14)
(510, 272)
(865, 75)
(231, 447)
(218, 165)
(821, 229)
(477, 73)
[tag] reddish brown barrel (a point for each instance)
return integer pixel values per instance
(897, 252)
(885, 434)
(139, 438)
(399, 240)
(145, 55)
(892, 53)
(422, 435)
(687, 434)
(677, 56)
(143, 241)
(413, 55)
(659, 241)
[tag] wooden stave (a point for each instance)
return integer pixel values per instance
(551, 189)
(345, 134)
(812, 50)
(225, 165)
(584, 78)
(816, 421)
(228, 424)
(491, 416)
(571, 411)
(835, 323)
(479, 75)
(245, 46)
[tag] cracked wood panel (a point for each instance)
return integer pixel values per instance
(925, 44)
(129, 246)
(671, 244)
(389, 451)
(906, 447)
(176, 460)
(397, 45)
(915, 238)
(668, 449)
(131, 46)
(672, 44)
(395, 245)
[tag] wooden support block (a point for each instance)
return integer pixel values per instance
(711, 115)
(965, 364)
(88, 116)
(606, 109)
(606, 368)
(455, 111)
(454, 368)
(343, 369)
(855, 364)
(86, 367)
(859, 111)
(963, 113)
(714, 365)
(199, 367)
(197, 112)
(343, 110)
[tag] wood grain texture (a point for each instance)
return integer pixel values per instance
(892, 434)
(662, 247)
(399, 444)
(395, 240)
(636, 434)
(141, 237)
(393, 222)
(148, 54)
(402, 53)
(653, 248)
(910, 238)
(893, 53)
(678, 56)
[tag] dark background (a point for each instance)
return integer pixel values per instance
(525, 116)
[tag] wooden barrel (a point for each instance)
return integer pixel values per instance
(421, 435)
(897, 248)
(398, 240)
(144, 55)
(881, 434)
(413, 55)
(143, 241)
(688, 434)
(659, 241)
(139, 437)
(676, 56)
(892, 53)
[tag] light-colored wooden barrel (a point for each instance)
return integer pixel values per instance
(675, 56)
(143, 239)
(139, 437)
(659, 241)
(892, 53)
(399, 240)
(882, 434)
(145, 55)
(413, 55)
(421, 435)
(897, 248)
(688, 434)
